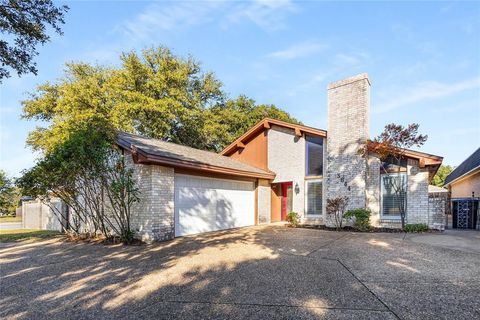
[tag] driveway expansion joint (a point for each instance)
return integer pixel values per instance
(366, 287)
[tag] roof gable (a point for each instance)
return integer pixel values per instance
(265, 124)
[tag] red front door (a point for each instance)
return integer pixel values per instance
(287, 195)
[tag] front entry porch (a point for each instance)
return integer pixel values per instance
(282, 201)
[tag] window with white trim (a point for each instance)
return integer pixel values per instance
(313, 196)
(393, 194)
(313, 156)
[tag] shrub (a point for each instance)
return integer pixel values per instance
(293, 219)
(336, 210)
(415, 227)
(362, 218)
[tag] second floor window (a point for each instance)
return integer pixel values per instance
(314, 156)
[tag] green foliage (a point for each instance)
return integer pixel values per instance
(439, 178)
(227, 121)
(89, 174)
(9, 195)
(154, 93)
(25, 22)
(415, 227)
(293, 219)
(362, 218)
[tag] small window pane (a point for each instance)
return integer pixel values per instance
(394, 194)
(314, 198)
(314, 156)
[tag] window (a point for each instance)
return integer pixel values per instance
(313, 195)
(394, 194)
(314, 156)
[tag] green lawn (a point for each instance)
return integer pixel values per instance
(10, 219)
(26, 234)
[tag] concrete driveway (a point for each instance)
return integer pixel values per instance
(254, 273)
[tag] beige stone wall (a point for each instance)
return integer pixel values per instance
(264, 201)
(286, 157)
(464, 187)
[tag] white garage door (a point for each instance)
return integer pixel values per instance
(206, 204)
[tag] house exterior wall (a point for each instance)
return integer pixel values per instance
(464, 187)
(373, 190)
(255, 151)
(263, 201)
(348, 128)
(286, 157)
(417, 193)
(420, 209)
(153, 216)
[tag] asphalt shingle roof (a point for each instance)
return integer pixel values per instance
(175, 151)
(469, 164)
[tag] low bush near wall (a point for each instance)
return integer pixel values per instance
(293, 219)
(416, 227)
(362, 218)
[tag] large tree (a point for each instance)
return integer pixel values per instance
(442, 173)
(23, 25)
(9, 195)
(154, 93)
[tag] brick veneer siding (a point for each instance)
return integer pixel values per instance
(286, 157)
(418, 208)
(348, 127)
(373, 189)
(264, 201)
(417, 194)
(153, 216)
(438, 204)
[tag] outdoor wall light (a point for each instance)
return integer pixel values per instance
(297, 188)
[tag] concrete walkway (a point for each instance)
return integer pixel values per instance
(269, 272)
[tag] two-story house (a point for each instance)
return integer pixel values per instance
(274, 168)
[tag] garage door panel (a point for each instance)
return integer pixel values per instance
(206, 204)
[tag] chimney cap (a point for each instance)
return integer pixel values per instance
(343, 82)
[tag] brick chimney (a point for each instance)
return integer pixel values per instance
(348, 127)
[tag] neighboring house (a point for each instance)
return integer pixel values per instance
(464, 181)
(464, 186)
(274, 168)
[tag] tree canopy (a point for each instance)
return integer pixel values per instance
(25, 25)
(153, 93)
(9, 194)
(442, 173)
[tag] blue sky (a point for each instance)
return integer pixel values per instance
(423, 59)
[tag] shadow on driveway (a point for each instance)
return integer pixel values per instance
(254, 273)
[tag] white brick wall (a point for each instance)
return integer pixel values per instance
(153, 216)
(348, 126)
(417, 195)
(264, 201)
(286, 157)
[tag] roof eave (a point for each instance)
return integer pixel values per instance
(463, 176)
(142, 157)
